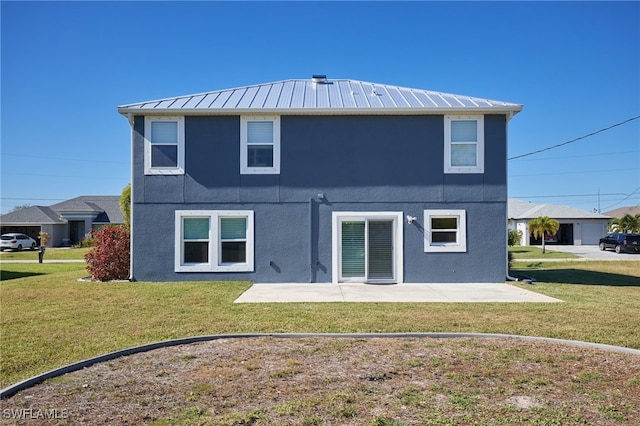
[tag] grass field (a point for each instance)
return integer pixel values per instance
(50, 319)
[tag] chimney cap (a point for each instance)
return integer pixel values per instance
(319, 78)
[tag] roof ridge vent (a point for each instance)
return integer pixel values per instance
(319, 79)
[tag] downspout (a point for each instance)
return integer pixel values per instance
(506, 165)
(131, 124)
(509, 277)
(310, 239)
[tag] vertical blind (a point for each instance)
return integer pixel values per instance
(376, 249)
(380, 249)
(353, 250)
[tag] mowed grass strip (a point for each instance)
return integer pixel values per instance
(50, 254)
(50, 319)
(534, 252)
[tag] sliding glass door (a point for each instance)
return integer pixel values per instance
(368, 249)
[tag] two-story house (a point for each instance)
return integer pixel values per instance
(320, 180)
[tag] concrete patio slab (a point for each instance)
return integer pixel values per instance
(412, 293)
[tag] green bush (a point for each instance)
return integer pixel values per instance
(87, 241)
(514, 237)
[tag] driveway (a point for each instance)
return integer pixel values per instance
(593, 252)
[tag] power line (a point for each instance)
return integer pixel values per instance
(70, 177)
(574, 172)
(635, 191)
(583, 198)
(572, 195)
(600, 154)
(83, 160)
(31, 199)
(576, 139)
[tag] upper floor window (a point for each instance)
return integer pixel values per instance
(464, 144)
(163, 145)
(260, 145)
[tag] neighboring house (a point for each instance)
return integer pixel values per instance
(622, 211)
(577, 227)
(319, 181)
(67, 222)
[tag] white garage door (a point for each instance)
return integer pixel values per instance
(592, 232)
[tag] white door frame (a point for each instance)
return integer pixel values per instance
(336, 246)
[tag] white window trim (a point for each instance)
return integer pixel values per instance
(336, 247)
(244, 167)
(179, 169)
(479, 168)
(213, 264)
(461, 236)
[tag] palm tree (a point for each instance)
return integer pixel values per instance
(125, 205)
(626, 223)
(542, 226)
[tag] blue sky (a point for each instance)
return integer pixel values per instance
(575, 66)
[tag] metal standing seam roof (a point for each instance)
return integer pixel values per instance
(315, 96)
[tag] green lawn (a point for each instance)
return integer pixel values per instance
(49, 254)
(533, 252)
(49, 318)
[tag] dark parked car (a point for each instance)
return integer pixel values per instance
(629, 243)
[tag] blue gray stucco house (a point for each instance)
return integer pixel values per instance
(320, 180)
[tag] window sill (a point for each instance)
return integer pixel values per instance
(463, 170)
(445, 249)
(173, 171)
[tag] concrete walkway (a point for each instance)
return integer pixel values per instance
(418, 292)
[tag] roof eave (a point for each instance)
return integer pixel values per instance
(509, 110)
(33, 223)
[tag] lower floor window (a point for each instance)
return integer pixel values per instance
(196, 239)
(214, 240)
(445, 231)
(233, 240)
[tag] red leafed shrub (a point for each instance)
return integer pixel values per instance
(109, 258)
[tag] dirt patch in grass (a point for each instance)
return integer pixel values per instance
(344, 381)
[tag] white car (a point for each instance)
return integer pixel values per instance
(17, 242)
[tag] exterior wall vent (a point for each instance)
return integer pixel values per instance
(319, 79)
